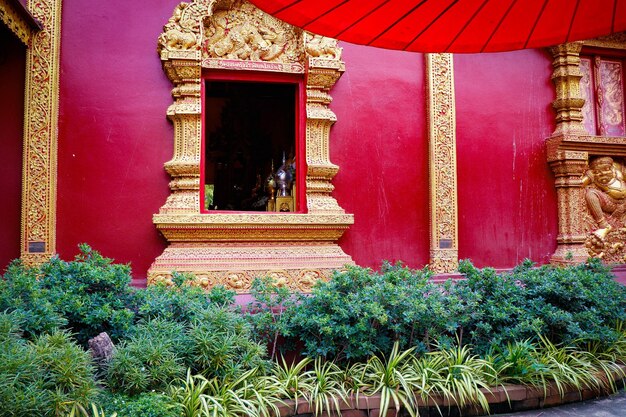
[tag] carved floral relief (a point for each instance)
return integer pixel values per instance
(611, 97)
(586, 92)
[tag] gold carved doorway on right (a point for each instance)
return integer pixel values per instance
(587, 150)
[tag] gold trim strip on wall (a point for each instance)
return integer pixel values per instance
(41, 114)
(442, 163)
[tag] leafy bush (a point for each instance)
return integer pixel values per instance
(148, 404)
(266, 312)
(152, 358)
(572, 305)
(221, 344)
(91, 292)
(360, 312)
(42, 377)
(21, 293)
(180, 301)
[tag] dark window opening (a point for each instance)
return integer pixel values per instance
(250, 146)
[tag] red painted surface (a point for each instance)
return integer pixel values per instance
(113, 134)
(12, 70)
(506, 195)
(380, 143)
(114, 139)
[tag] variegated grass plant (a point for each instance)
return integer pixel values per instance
(245, 395)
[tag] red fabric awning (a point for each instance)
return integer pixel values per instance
(453, 25)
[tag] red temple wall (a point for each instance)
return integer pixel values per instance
(12, 78)
(114, 139)
(506, 194)
(113, 134)
(380, 144)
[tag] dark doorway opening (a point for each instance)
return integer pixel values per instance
(250, 134)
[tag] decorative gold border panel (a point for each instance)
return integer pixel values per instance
(444, 256)
(231, 248)
(39, 179)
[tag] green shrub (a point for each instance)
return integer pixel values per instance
(180, 301)
(221, 344)
(43, 377)
(66, 368)
(266, 312)
(152, 358)
(148, 404)
(21, 293)
(22, 386)
(572, 305)
(359, 313)
(91, 293)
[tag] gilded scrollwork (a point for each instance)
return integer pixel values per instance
(442, 144)
(234, 35)
(40, 135)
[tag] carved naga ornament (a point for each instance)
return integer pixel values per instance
(232, 248)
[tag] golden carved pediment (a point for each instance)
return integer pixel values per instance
(244, 32)
(234, 34)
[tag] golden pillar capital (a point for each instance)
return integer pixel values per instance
(566, 77)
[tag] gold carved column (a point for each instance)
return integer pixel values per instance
(39, 179)
(568, 164)
(321, 75)
(442, 164)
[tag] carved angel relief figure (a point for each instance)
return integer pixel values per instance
(605, 197)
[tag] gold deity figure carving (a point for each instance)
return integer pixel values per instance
(605, 194)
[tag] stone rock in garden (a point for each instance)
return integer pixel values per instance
(101, 347)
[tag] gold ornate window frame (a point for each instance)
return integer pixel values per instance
(570, 148)
(232, 248)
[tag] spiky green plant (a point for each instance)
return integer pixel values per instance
(190, 398)
(79, 411)
(325, 388)
(290, 379)
(245, 395)
(516, 363)
(460, 375)
(568, 367)
(394, 377)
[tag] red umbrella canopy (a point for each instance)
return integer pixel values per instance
(453, 25)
